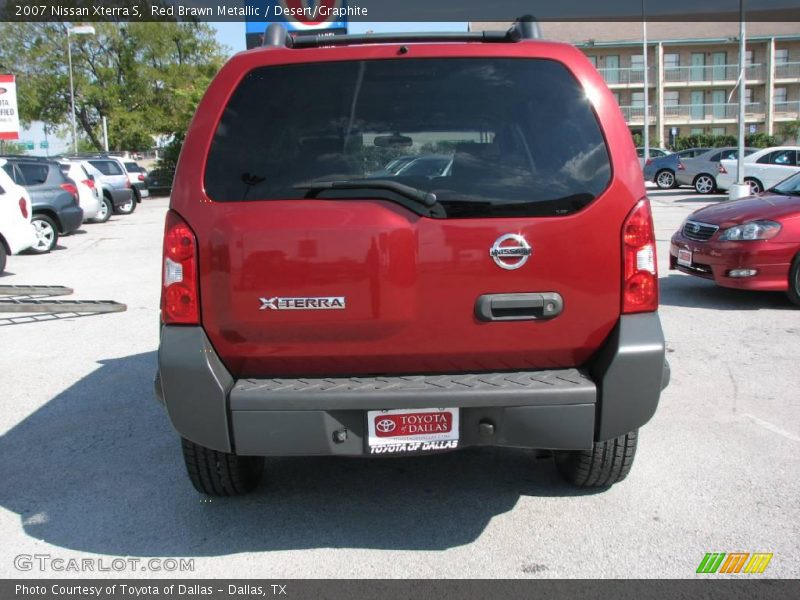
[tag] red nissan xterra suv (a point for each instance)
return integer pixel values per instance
(398, 244)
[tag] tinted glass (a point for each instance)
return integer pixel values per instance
(790, 186)
(783, 157)
(132, 167)
(501, 137)
(33, 174)
(106, 167)
(716, 157)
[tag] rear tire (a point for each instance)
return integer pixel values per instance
(46, 234)
(794, 281)
(704, 184)
(105, 212)
(756, 187)
(665, 179)
(605, 464)
(128, 207)
(219, 473)
(3, 257)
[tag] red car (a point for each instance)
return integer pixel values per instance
(752, 243)
(311, 308)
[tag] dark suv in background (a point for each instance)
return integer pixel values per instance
(54, 198)
(507, 299)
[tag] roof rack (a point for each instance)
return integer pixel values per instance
(524, 28)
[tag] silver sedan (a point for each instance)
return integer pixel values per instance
(700, 172)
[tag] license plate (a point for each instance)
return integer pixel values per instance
(412, 430)
(684, 257)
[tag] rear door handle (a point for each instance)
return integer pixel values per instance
(519, 307)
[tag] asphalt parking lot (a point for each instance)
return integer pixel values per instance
(89, 465)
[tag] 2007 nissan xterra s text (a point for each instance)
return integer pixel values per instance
(395, 244)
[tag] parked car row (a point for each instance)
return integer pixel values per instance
(42, 198)
(710, 170)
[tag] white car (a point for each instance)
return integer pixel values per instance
(137, 175)
(90, 195)
(16, 232)
(762, 170)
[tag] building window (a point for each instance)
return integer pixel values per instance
(637, 99)
(717, 131)
(748, 58)
(611, 72)
(748, 95)
(637, 62)
(672, 61)
(697, 131)
(593, 60)
(781, 56)
(780, 95)
(616, 97)
(671, 98)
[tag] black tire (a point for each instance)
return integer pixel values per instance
(128, 207)
(665, 179)
(794, 281)
(3, 257)
(46, 234)
(756, 187)
(221, 474)
(704, 184)
(106, 210)
(605, 464)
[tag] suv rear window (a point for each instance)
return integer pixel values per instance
(107, 167)
(490, 137)
(33, 174)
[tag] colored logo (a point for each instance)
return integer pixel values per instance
(734, 562)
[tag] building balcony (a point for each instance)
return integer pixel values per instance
(789, 71)
(711, 75)
(786, 111)
(634, 115)
(627, 77)
(702, 114)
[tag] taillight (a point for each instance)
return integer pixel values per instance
(680, 166)
(70, 187)
(141, 177)
(179, 294)
(649, 161)
(722, 169)
(640, 274)
(89, 183)
(23, 208)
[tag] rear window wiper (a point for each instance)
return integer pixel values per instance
(421, 196)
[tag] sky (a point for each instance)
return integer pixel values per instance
(232, 34)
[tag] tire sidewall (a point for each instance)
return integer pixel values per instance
(47, 220)
(109, 208)
(698, 179)
(794, 281)
(3, 258)
(671, 176)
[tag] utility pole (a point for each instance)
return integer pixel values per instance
(646, 95)
(740, 189)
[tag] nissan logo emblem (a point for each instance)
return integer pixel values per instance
(510, 251)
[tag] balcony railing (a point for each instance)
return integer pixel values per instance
(787, 110)
(711, 112)
(626, 75)
(635, 114)
(711, 73)
(789, 70)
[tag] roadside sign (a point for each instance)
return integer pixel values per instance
(9, 117)
(29, 145)
(328, 16)
(44, 145)
(752, 128)
(674, 131)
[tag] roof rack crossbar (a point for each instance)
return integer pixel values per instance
(524, 28)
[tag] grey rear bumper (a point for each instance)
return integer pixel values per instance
(555, 409)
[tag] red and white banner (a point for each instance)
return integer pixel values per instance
(9, 117)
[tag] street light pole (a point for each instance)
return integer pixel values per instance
(740, 189)
(80, 30)
(646, 138)
(72, 95)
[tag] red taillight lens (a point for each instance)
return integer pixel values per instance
(23, 208)
(640, 273)
(70, 187)
(179, 293)
(141, 177)
(649, 161)
(89, 183)
(722, 169)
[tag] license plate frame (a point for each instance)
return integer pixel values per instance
(684, 257)
(412, 430)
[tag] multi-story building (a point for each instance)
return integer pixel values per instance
(693, 69)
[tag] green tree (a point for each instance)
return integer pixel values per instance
(791, 131)
(145, 78)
